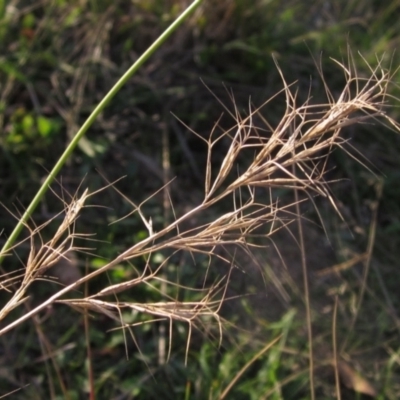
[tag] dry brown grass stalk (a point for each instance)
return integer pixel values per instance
(303, 138)
(42, 258)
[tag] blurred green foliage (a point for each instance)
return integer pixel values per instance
(59, 57)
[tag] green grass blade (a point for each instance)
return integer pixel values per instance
(100, 107)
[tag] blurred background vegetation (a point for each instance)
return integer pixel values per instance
(57, 60)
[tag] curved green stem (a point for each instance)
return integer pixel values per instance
(100, 107)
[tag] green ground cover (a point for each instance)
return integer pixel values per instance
(57, 61)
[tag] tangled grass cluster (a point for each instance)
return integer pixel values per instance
(291, 155)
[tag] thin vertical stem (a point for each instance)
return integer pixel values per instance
(335, 355)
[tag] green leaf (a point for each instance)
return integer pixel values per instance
(9, 69)
(28, 122)
(98, 262)
(45, 126)
(28, 21)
